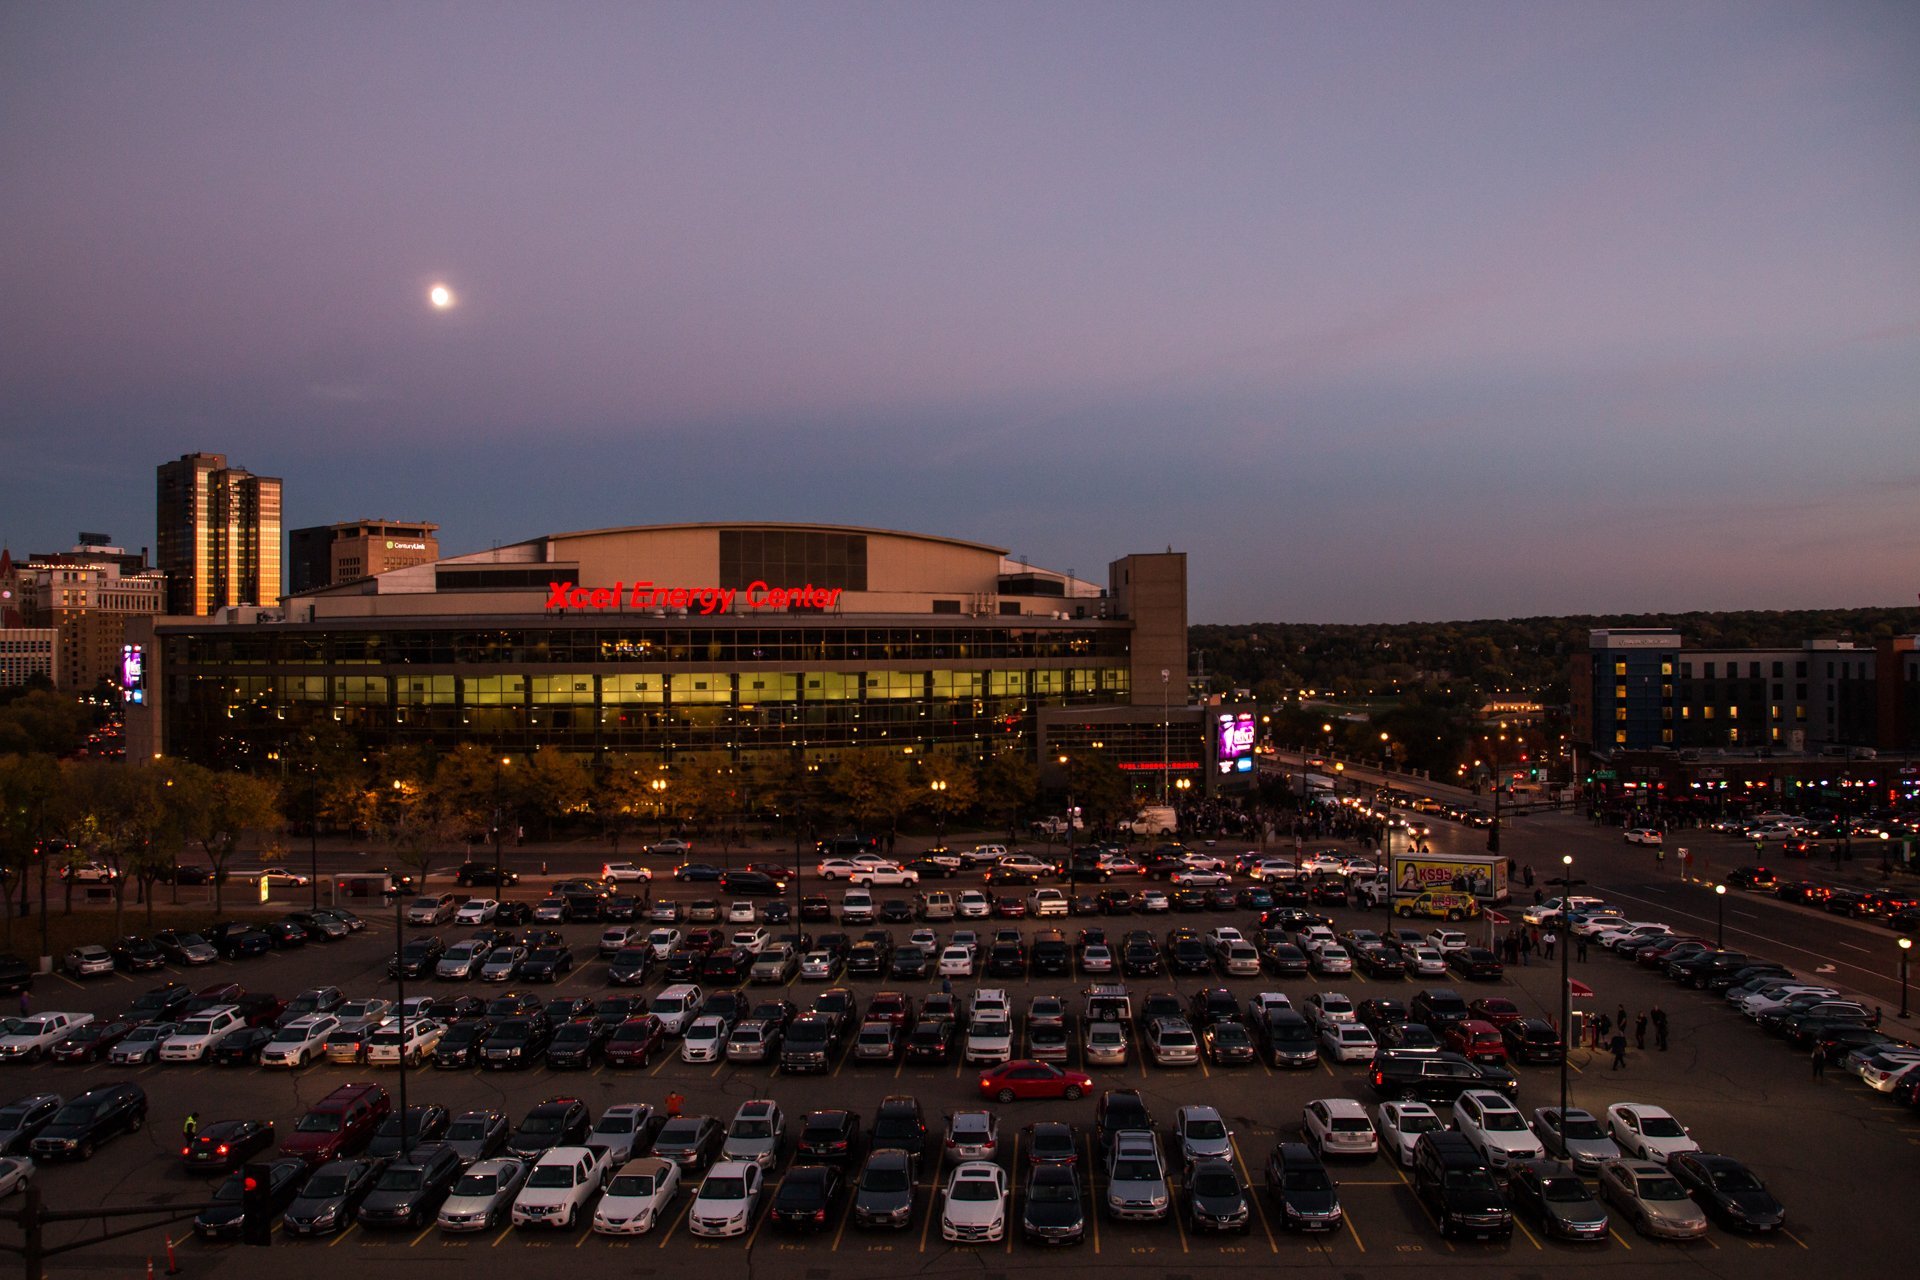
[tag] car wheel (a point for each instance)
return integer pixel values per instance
(133, 1125)
(1072, 1093)
(1004, 1096)
(36, 1054)
(86, 1149)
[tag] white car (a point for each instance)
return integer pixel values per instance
(1642, 835)
(837, 869)
(619, 1129)
(484, 1188)
(1267, 1002)
(1594, 925)
(1401, 1124)
(1323, 1007)
(1046, 902)
(462, 960)
(1615, 939)
(1219, 936)
(1772, 998)
(389, 1043)
(559, 1187)
(726, 1200)
(974, 1207)
(663, 942)
(1240, 960)
(741, 913)
(752, 940)
(1448, 941)
(624, 872)
(1496, 1128)
(1647, 1131)
(956, 962)
(989, 1041)
(200, 1033)
(1347, 1042)
(1331, 958)
(16, 1174)
(973, 905)
(477, 911)
(705, 1039)
(818, 966)
(1339, 1127)
(1331, 863)
(28, 1039)
(884, 875)
(432, 911)
(299, 1042)
(637, 1198)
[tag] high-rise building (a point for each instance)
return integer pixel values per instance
(331, 554)
(217, 535)
(86, 595)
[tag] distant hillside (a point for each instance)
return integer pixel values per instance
(1491, 655)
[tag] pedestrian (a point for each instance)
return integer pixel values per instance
(1819, 1062)
(1602, 1026)
(1875, 1024)
(1526, 873)
(1547, 940)
(1620, 1018)
(1538, 897)
(1659, 1016)
(189, 1127)
(946, 986)
(1580, 947)
(26, 1004)
(1640, 1032)
(1619, 1046)
(1525, 952)
(674, 1102)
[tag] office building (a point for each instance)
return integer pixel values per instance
(332, 554)
(217, 535)
(27, 652)
(86, 595)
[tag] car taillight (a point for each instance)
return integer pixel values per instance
(222, 1150)
(819, 1215)
(185, 1151)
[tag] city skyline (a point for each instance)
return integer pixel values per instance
(1490, 311)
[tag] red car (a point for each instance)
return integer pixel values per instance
(891, 1006)
(1496, 1009)
(1025, 1078)
(635, 1042)
(1475, 1039)
(1010, 907)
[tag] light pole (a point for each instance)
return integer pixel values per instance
(1493, 832)
(400, 995)
(1166, 734)
(499, 877)
(1906, 947)
(1566, 883)
(939, 788)
(1720, 915)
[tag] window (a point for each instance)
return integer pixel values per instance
(792, 558)
(1619, 691)
(1010, 608)
(946, 606)
(1779, 669)
(1620, 737)
(1620, 668)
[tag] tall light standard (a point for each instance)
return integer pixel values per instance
(1906, 947)
(1566, 882)
(499, 818)
(939, 788)
(400, 985)
(1720, 915)
(1166, 734)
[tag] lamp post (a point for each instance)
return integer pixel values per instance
(400, 994)
(939, 788)
(1566, 882)
(499, 878)
(1493, 832)
(1720, 915)
(1166, 734)
(1906, 947)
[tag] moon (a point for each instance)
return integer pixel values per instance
(440, 296)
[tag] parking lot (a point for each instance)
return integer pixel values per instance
(1828, 1149)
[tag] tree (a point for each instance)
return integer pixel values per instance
(411, 823)
(553, 786)
(42, 721)
(624, 795)
(221, 809)
(795, 789)
(874, 787)
(1102, 792)
(29, 798)
(959, 788)
(1008, 783)
(475, 788)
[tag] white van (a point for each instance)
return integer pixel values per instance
(856, 907)
(677, 1007)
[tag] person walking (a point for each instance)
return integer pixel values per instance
(26, 1004)
(1620, 1018)
(1659, 1017)
(1640, 1032)
(1547, 940)
(189, 1127)
(1619, 1046)
(1819, 1062)
(1580, 947)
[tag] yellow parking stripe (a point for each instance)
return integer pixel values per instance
(1523, 1230)
(1273, 1245)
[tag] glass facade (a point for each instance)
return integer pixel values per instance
(234, 693)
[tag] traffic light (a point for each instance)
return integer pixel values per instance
(256, 1206)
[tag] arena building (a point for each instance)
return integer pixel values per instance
(691, 639)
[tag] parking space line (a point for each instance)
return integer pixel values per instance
(933, 1198)
(678, 1218)
(425, 1232)
(1346, 1220)
(1796, 1239)
(1273, 1245)
(351, 1228)
(1093, 1195)
(1523, 1231)
(1615, 1233)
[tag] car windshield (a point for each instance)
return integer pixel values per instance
(752, 1129)
(1418, 1123)
(1470, 1180)
(1661, 1187)
(1583, 1127)
(324, 1186)
(320, 1122)
(1206, 1129)
(1504, 1121)
(1565, 1190)
(887, 1179)
(1307, 1180)
(1136, 1171)
(475, 1184)
(728, 1188)
(975, 1189)
(1061, 1192)
(1662, 1127)
(1215, 1183)
(542, 1124)
(632, 1184)
(467, 1130)
(552, 1175)
(401, 1178)
(615, 1124)
(13, 1117)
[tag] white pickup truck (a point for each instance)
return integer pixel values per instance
(28, 1039)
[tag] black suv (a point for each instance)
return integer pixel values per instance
(899, 1125)
(417, 957)
(1432, 1077)
(557, 1122)
(1437, 1006)
(1454, 1182)
(1118, 1110)
(1299, 1184)
(410, 1191)
(89, 1120)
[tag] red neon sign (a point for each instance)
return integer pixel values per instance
(706, 600)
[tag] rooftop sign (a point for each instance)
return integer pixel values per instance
(705, 600)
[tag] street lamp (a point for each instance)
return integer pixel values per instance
(1720, 915)
(1566, 882)
(499, 879)
(1166, 734)
(939, 788)
(1906, 947)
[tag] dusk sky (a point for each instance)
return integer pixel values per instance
(1381, 311)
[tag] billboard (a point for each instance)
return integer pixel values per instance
(1234, 735)
(1483, 877)
(133, 673)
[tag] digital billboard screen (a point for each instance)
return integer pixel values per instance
(1233, 751)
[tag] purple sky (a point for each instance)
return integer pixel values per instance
(1381, 311)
